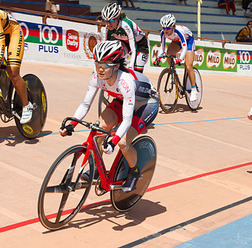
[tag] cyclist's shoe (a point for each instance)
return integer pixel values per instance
(193, 96)
(85, 175)
(26, 113)
(131, 180)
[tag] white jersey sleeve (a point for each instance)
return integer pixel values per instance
(132, 42)
(162, 48)
(84, 107)
(127, 88)
(182, 35)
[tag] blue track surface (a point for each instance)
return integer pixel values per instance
(237, 234)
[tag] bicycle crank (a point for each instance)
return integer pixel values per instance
(98, 190)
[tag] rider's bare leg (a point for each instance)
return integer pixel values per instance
(189, 66)
(126, 147)
(108, 120)
(173, 48)
(19, 83)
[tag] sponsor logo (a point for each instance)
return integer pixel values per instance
(26, 46)
(72, 40)
(154, 53)
(43, 97)
(243, 67)
(229, 60)
(19, 46)
(48, 49)
(144, 90)
(124, 85)
(141, 125)
(116, 106)
(213, 59)
(120, 37)
(72, 56)
(244, 57)
(145, 57)
(198, 57)
(27, 129)
(89, 42)
(41, 34)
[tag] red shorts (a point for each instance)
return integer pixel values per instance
(141, 118)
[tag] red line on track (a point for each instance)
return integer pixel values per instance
(36, 220)
(197, 176)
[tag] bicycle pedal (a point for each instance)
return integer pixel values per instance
(34, 106)
(16, 114)
(115, 186)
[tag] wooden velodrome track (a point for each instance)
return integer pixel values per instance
(202, 180)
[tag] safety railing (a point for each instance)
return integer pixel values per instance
(100, 24)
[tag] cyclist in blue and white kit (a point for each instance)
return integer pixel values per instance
(134, 107)
(118, 27)
(182, 39)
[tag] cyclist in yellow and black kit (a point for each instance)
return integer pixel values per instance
(11, 36)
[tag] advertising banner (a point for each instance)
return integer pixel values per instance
(206, 58)
(66, 42)
(59, 41)
(244, 61)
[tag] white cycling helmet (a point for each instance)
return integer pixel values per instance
(168, 21)
(108, 50)
(111, 11)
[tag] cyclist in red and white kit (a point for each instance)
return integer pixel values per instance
(134, 107)
(119, 27)
(182, 39)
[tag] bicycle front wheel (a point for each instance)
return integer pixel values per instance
(62, 194)
(195, 104)
(167, 90)
(146, 162)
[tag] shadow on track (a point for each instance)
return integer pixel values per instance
(103, 211)
(11, 135)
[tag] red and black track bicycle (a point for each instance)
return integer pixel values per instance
(63, 194)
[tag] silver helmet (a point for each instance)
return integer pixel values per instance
(168, 21)
(108, 50)
(110, 11)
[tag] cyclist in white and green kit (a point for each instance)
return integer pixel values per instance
(118, 27)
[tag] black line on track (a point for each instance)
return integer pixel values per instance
(183, 224)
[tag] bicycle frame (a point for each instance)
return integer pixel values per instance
(6, 93)
(92, 147)
(181, 87)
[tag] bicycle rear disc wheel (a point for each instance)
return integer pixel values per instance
(146, 162)
(195, 104)
(62, 193)
(104, 101)
(37, 96)
(167, 91)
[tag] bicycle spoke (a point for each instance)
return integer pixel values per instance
(56, 189)
(62, 188)
(166, 83)
(61, 206)
(68, 176)
(167, 89)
